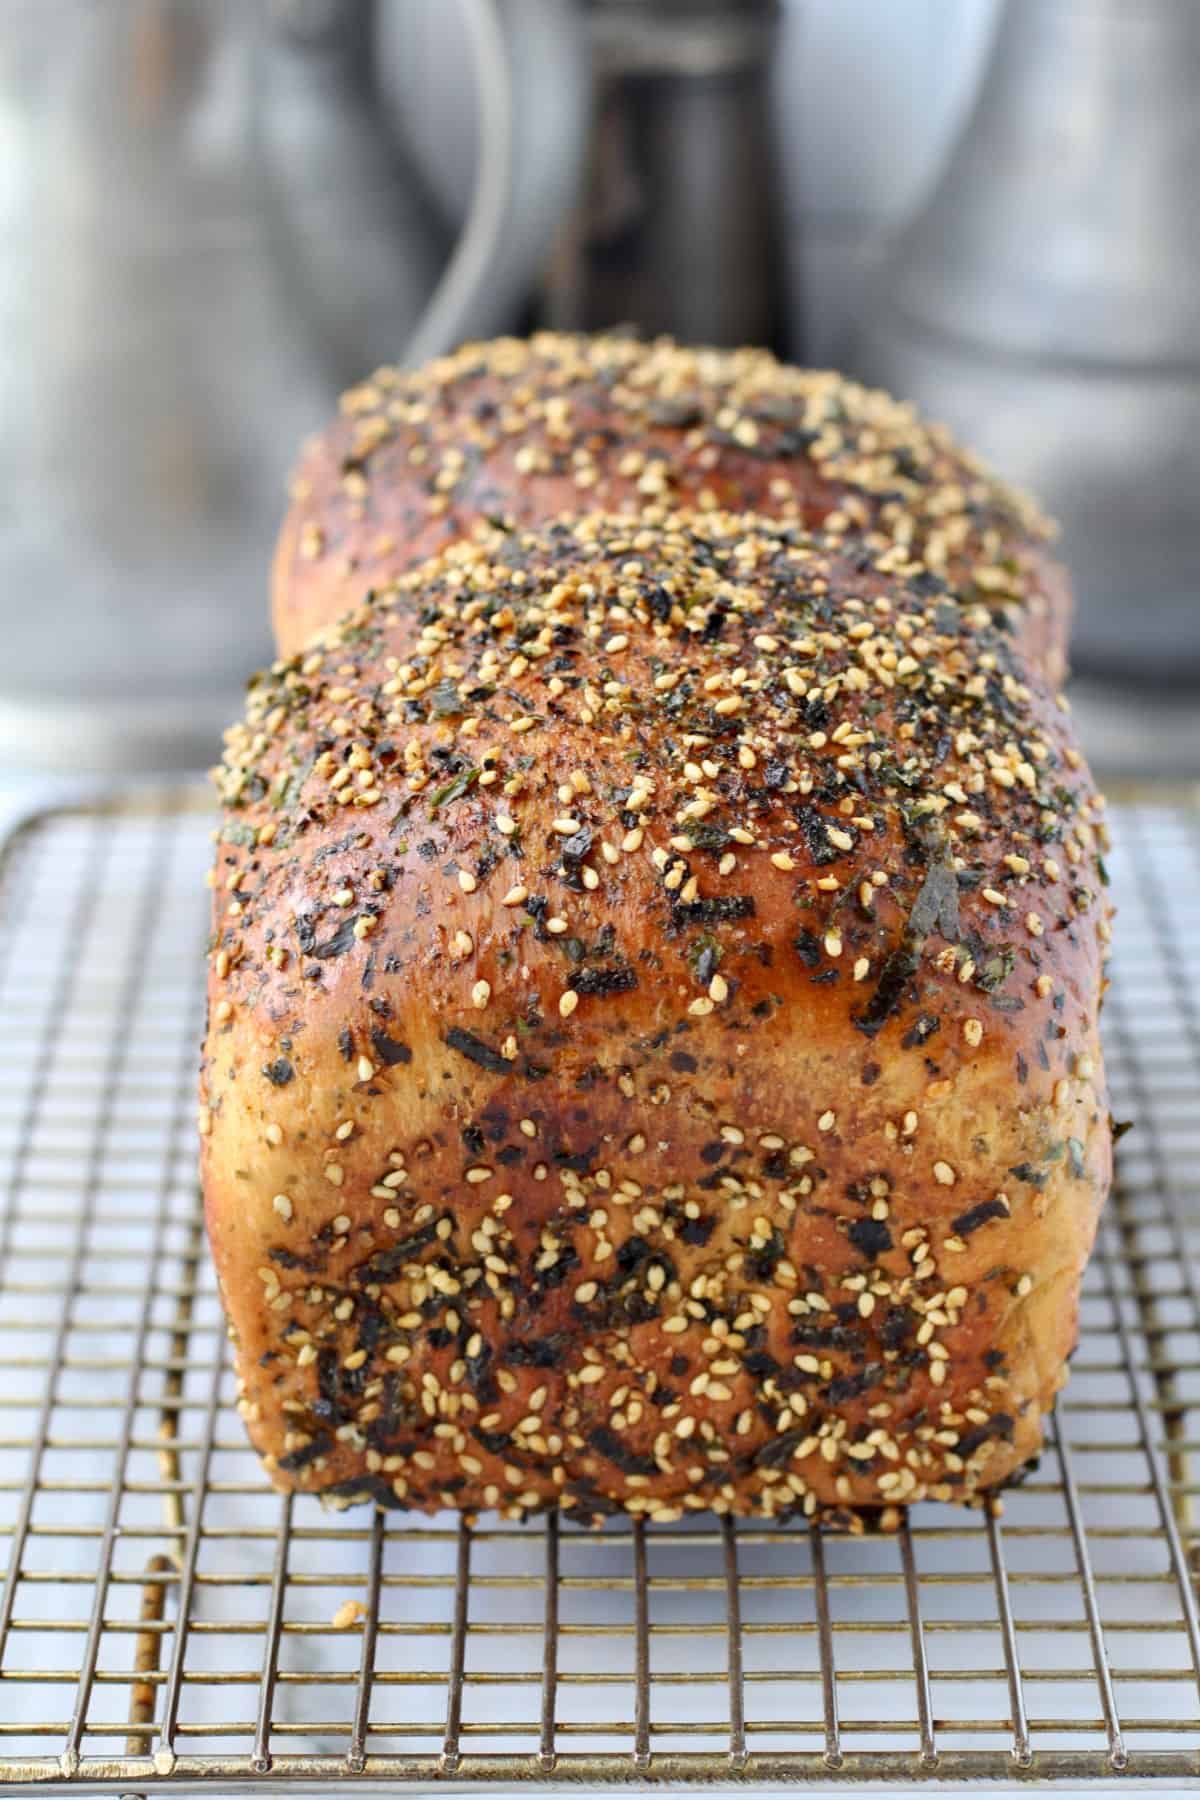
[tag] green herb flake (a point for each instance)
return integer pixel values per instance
(454, 789)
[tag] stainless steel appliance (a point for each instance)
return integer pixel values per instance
(1046, 302)
(206, 228)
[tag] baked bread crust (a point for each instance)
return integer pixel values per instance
(527, 429)
(653, 1059)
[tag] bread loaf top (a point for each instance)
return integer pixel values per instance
(525, 429)
(624, 934)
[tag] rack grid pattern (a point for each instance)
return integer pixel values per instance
(168, 1622)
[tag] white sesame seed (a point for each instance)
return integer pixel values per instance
(567, 1003)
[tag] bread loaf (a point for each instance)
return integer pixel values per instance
(525, 430)
(652, 1058)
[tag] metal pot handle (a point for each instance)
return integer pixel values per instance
(532, 94)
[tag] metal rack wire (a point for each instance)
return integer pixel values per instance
(168, 1622)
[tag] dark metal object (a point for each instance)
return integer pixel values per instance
(679, 229)
(166, 1620)
(1046, 303)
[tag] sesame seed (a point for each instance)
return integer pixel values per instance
(283, 1206)
(944, 1174)
(567, 1003)
(366, 1068)
(481, 993)
(467, 881)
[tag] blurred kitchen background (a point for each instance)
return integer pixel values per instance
(216, 213)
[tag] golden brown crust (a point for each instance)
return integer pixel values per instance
(652, 1058)
(528, 429)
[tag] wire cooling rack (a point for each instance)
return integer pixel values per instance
(168, 1622)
